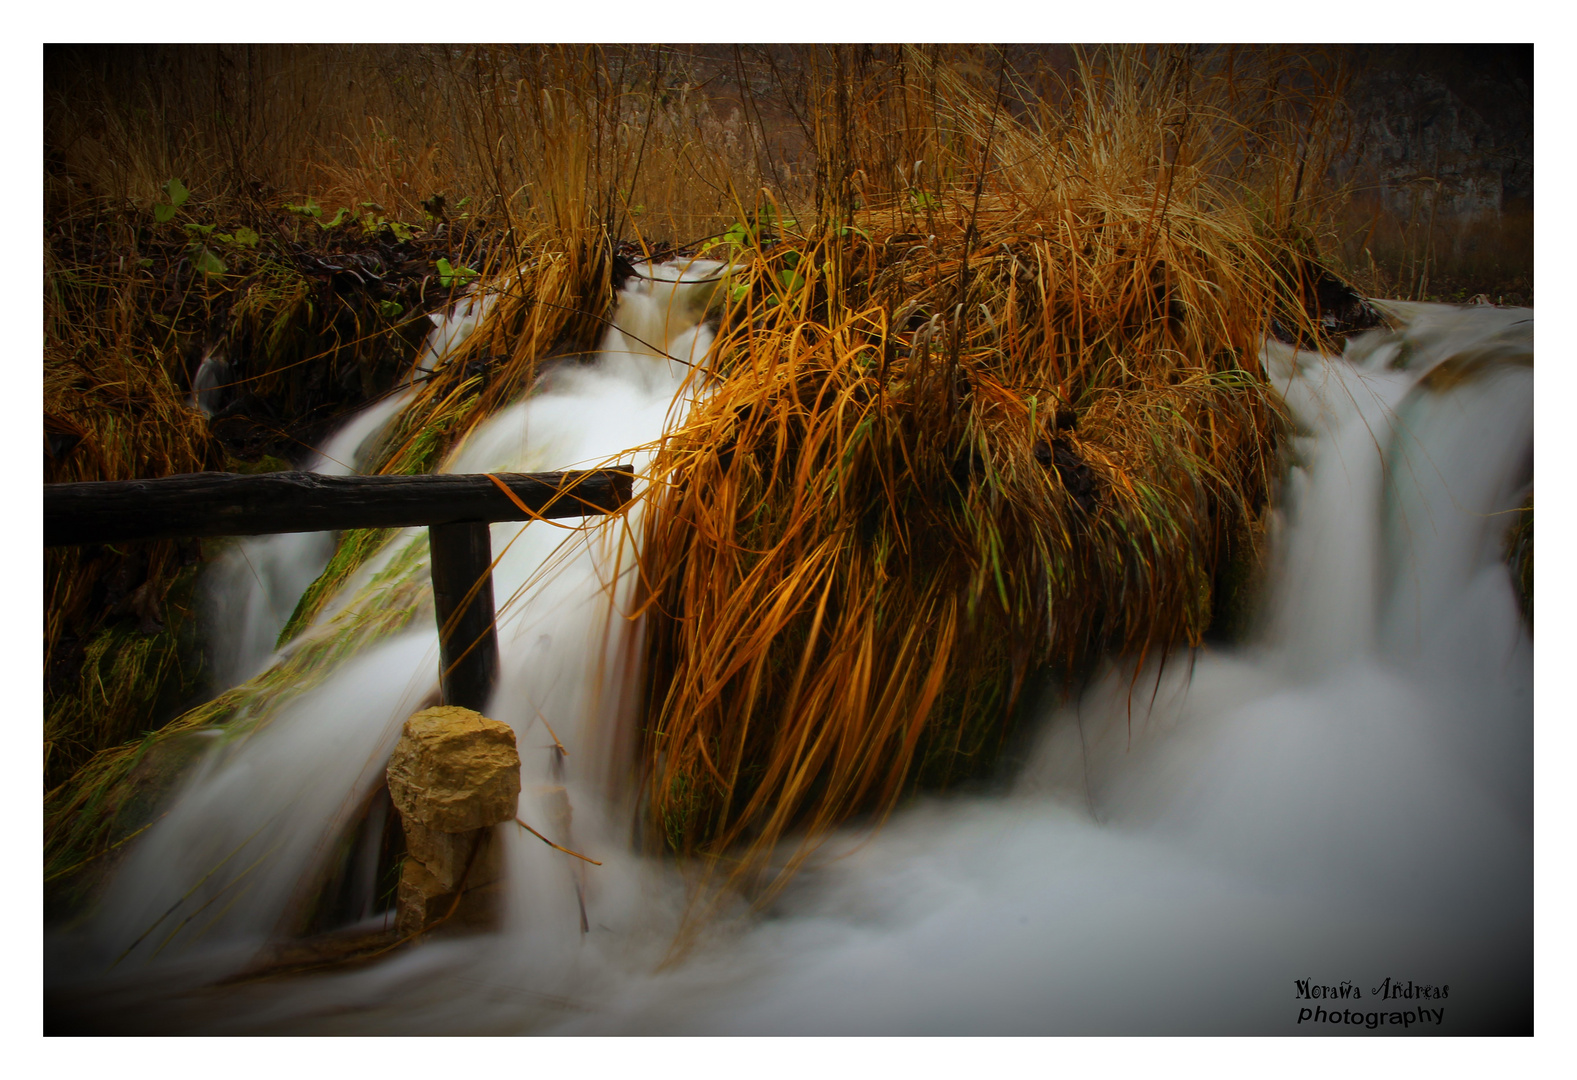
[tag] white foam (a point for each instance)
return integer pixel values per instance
(1348, 798)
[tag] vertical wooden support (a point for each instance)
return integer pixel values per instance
(462, 555)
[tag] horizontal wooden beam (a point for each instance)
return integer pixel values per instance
(231, 504)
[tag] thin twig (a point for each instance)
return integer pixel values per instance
(556, 847)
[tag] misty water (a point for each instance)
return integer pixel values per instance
(1344, 798)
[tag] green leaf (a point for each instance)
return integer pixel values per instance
(338, 219)
(738, 292)
(401, 232)
(198, 230)
(207, 262)
(176, 191)
(146, 264)
(163, 212)
(390, 309)
(790, 280)
(246, 236)
(448, 275)
(306, 209)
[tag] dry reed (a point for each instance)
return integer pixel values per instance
(530, 159)
(986, 397)
(999, 406)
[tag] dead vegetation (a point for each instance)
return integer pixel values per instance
(997, 406)
(987, 394)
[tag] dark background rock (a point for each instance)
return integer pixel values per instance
(1441, 165)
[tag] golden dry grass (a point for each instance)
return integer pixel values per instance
(968, 426)
(543, 155)
(986, 397)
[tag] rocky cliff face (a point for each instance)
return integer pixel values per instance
(1442, 169)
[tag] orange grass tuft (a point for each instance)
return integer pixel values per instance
(985, 398)
(1009, 416)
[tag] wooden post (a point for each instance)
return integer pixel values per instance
(455, 508)
(462, 556)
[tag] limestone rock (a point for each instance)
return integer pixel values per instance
(454, 775)
(454, 770)
(476, 856)
(420, 898)
(423, 901)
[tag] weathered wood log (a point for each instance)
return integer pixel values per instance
(462, 560)
(229, 504)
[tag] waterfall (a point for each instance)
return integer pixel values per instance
(254, 586)
(1343, 799)
(252, 592)
(210, 383)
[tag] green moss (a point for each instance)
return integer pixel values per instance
(126, 808)
(415, 447)
(130, 681)
(268, 463)
(104, 804)
(356, 546)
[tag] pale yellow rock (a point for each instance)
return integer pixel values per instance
(423, 902)
(446, 856)
(420, 899)
(455, 770)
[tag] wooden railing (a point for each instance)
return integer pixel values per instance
(456, 510)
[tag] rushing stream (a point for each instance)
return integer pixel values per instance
(1346, 799)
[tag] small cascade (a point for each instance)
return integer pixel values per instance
(253, 589)
(1342, 799)
(223, 872)
(450, 329)
(1322, 616)
(210, 383)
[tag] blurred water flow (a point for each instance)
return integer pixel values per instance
(1347, 797)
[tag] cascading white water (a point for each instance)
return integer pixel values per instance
(258, 815)
(1346, 800)
(253, 589)
(252, 592)
(210, 383)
